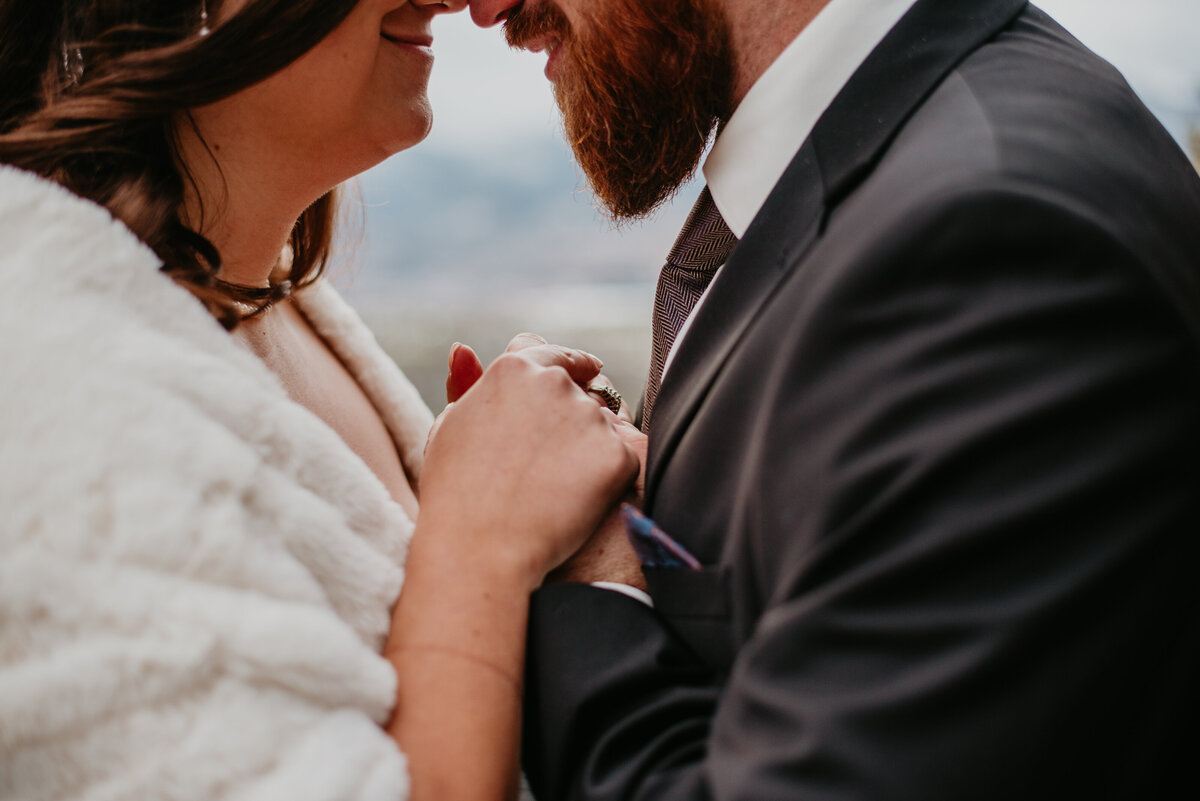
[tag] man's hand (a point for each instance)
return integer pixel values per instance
(608, 555)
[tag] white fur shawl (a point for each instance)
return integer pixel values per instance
(195, 573)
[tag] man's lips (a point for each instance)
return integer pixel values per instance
(550, 45)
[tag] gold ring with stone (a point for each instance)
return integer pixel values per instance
(608, 396)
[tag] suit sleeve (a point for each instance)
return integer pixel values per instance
(976, 516)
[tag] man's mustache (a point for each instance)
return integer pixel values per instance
(524, 24)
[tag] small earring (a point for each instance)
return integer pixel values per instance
(204, 31)
(72, 62)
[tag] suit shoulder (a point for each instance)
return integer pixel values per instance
(1034, 111)
(1032, 128)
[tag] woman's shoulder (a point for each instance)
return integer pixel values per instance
(100, 346)
(177, 536)
(134, 430)
(49, 236)
(66, 261)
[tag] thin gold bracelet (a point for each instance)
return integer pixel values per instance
(442, 649)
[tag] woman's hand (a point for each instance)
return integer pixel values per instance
(520, 469)
(465, 368)
(524, 466)
(607, 554)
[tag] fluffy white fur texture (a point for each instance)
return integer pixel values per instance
(195, 572)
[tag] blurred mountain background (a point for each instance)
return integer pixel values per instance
(487, 229)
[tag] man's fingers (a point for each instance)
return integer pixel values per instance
(636, 441)
(464, 370)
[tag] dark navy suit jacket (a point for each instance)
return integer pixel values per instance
(934, 433)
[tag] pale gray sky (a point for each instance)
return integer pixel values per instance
(486, 97)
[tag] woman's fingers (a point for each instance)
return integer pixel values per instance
(624, 413)
(464, 370)
(580, 365)
(465, 367)
(437, 425)
(523, 341)
(540, 461)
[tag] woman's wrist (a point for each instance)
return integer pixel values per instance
(458, 647)
(504, 560)
(461, 600)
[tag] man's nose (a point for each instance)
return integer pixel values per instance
(487, 13)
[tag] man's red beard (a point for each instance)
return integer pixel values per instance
(641, 86)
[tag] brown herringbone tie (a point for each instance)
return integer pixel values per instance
(703, 246)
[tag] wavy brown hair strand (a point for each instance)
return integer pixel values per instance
(94, 90)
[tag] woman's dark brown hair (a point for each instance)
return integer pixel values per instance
(91, 92)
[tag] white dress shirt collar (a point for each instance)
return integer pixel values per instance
(782, 108)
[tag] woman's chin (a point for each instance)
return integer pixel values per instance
(415, 130)
(398, 139)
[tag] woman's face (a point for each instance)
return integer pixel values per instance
(356, 98)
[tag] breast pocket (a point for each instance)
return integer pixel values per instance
(697, 606)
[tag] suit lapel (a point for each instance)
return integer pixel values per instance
(754, 268)
(848, 140)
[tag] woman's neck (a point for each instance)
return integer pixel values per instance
(244, 204)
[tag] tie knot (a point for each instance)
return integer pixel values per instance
(705, 242)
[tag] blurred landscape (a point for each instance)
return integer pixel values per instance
(461, 249)
(487, 229)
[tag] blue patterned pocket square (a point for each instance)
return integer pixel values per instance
(654, 547)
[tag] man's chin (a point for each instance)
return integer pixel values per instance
(623, 211)
(632, 169)
(641, 88)
(635, 175)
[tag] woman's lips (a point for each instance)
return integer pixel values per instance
(411, 41)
